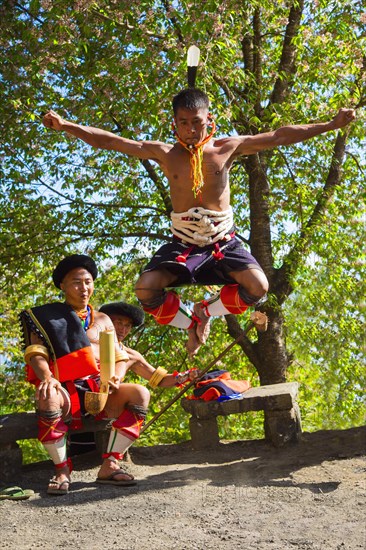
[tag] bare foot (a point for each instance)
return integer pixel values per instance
(259, 320)
(193, 344)
(202, 328)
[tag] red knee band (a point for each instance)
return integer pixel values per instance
(51, 430)
(165, 313)
(129, 423)
(231, 300)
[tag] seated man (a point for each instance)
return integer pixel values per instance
(124, 317)
(62, 355)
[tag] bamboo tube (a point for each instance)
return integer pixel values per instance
(96, 401)
(107, 359)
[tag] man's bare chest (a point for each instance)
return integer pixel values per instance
(179, 167)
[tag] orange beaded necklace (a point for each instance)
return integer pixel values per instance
(86, 316)
(196, 161)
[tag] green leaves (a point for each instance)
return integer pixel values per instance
(117, 66)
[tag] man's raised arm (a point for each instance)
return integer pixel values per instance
(102, 139)
(292, 134)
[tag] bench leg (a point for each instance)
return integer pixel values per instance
(204, 433)
(282, 427)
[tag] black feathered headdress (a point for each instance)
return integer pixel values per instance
(72, 262)
(134, 313)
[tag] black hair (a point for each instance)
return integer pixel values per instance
(190, 98)
(134, 313)
(72, 262)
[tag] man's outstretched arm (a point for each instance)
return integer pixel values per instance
(102, 139)
(288, 135)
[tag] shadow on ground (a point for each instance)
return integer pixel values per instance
(240, 463)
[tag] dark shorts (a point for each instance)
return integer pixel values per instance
(80, 443)
(201, 266)
(81, 387)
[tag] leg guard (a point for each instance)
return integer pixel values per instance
(52, 433)
(125, 430)
(171, 312)
(58, 452)
(51, 427)
(230, 299)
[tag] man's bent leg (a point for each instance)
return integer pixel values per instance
(235, 299)
(174, 313)
(230, 299)
(125, 430)
(171, 311)
(129, 404)
(52, 433)
(166, 307)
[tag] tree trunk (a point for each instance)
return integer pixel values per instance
(273, 359)
(268, 354)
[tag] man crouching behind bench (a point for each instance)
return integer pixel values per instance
(62, 354)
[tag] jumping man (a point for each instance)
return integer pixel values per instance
(204, 248)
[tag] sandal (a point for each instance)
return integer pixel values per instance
(58, 490)
(110, 480)
(16, 493)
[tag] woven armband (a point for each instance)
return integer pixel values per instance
(183, 378)
(122, 356)
(35, 349)
(157, 377)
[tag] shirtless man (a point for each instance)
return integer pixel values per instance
(204, 248)
(126, 316)
(62, 354)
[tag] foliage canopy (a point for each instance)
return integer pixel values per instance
(117, 65)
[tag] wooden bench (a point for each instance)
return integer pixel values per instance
(18, 426)
(282, 423)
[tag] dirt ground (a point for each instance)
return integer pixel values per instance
(242, 495)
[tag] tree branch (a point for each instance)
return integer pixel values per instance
(234, 329)
(247, 52)
(125, 25)
(174, 21)
(164, 193)
(153, 176)
(260, 226)
(283, 285)
(107, 235)
(257, 61)
(25, 10)
(286, 67)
